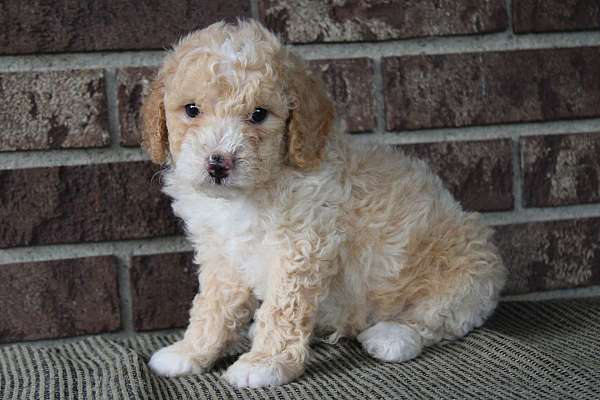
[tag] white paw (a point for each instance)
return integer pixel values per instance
(246, 374)
(391, 341)
(173, 361)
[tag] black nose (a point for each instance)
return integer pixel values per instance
(217, 172)
(216, 159)
(218, 166)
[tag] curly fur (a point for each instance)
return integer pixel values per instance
(332, 239)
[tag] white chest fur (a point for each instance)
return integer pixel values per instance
(241, 230)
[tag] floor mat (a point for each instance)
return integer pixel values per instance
(527, 350)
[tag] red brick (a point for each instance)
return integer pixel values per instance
(555, 15)
(348, 21)
(53, 109)
(53, 299)
(350, 85)
(560, 169)
(133, 84)
(63, 25)
(452, 90)
(163, 287)
(73, 204)
(550, 255)
(478, 174)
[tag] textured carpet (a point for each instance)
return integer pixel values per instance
(545, 350)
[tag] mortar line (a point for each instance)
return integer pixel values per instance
(570, 293)
(542, 214)
(493, 42)
(401, 47)
(378, 96)
(179, 243)
(78, 250)
(481, 132)
(254, 10)
(509, 12)
(86, 60)
(53, 158)
(515, 136)
(516, 172)
(108, 335)
(34, 159)
(110, 76)
(125, 302)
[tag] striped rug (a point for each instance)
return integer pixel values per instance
(544, 350)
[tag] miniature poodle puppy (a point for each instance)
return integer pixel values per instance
(295, 228)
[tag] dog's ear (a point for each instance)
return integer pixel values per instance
(311, 117)
(154, 123)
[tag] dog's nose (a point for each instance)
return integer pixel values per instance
(219, 165)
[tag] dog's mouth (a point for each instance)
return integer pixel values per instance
(217, 180)
(217, 177)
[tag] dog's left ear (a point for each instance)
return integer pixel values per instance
(311, 118)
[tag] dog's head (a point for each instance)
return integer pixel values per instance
(231, 107)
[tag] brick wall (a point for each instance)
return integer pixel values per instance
(501, 97)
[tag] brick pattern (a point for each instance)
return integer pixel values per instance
(350, 84)
(162, 288)
(41, 26)
(555, 15)
(452, 90)
(478, 174)
(560, 169)
(82, 203)
(45, 109)
(51, 110)
(308, 21)
(550, 255)
(58, 298)
(132, 85)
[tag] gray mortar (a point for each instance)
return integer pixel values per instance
(592, 291)
(123, 249)
(110, 78)
(517, 178)
(504, 41)
(254, 9)
(378, 100)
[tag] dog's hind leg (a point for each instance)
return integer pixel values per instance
(391, 341)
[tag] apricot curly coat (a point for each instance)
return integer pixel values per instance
(326, 238)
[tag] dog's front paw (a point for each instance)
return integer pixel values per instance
(251, 371)
(175, 360)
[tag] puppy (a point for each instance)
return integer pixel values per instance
(281, 212)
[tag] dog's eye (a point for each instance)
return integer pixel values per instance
(192, 110)
(258, 115)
